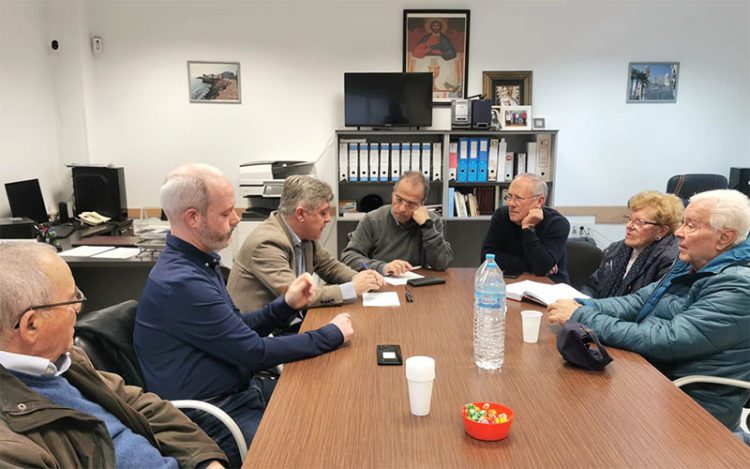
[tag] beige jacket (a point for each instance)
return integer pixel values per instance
(264, 268)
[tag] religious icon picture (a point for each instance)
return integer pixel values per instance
(507, 88)
(437, 41)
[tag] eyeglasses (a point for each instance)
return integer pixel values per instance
(509, 197)
(80, 299)
(638, 223)
(689, 227)
(410, 205)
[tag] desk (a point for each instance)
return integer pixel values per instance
(342, 410)
(108, 281)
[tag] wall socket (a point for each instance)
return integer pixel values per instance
(96, 45)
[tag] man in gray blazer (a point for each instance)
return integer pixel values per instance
(287, 245)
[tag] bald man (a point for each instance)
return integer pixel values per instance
(191, 340)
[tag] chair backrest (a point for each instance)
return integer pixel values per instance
(583, 259)
(685, 185)
(106, 336)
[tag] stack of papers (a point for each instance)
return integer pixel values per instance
(542, 292)
(401, 279)
(380, 299)
(101, 252)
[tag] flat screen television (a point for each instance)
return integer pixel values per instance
(388, 99)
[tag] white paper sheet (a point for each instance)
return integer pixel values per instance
(118, 253)
(86, 251)
(401, 279)
(380, 299)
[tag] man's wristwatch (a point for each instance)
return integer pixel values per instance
(530, 229)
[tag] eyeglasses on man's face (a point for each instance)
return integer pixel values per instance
(79, 300)
(516, 198)
(690, 227)
(638, 223)
(398, 200)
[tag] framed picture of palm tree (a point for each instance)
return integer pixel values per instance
(652, 82)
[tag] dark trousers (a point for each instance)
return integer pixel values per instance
(245, 407)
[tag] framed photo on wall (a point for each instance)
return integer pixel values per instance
(437, 41)
(214, 82)
(507, 88)
(515, 117)
(652, 82)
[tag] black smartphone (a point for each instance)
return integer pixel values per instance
(424, 281)
(389, 355)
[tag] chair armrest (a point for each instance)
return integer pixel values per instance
(234, 429)
(712, 380)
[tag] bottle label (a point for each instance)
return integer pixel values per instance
(484, 300)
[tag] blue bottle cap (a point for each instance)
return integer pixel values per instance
(489, 257)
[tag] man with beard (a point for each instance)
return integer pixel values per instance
(287, 244)
(191, 341)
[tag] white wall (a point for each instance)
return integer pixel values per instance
(129, 106)
(28, 116)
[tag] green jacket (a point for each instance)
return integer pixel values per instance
(35, 432)
(688, 323)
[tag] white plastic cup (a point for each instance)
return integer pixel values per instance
(420, 374)
(532, 320)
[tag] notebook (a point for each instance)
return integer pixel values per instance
(542, 293)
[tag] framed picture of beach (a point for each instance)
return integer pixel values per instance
(214, 82)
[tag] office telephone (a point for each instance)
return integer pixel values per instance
(93, 218)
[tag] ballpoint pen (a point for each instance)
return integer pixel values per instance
(409, 296)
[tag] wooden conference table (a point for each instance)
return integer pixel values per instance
(343, 410)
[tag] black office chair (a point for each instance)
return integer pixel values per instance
(106, 336)
(583, 259)
(685, 185)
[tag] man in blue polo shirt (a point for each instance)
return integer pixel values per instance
(191, 341)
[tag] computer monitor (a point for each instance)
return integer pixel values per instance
(25, 200)
(100, 189)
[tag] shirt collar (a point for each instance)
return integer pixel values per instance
(390, 212)
(35, 366)
(210, 259)
(295, 239)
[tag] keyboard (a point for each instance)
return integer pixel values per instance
(63, 231)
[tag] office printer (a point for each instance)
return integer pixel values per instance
(261, 183)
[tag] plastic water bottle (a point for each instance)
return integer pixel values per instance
(489, 315)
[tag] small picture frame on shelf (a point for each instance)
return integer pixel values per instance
(538, 122)
(515, 117)
(508, 88)
(495, 122)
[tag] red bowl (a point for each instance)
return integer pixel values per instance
(488, 431)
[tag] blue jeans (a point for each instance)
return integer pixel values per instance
(742, 435)
(245, 407)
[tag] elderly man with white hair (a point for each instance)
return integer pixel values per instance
(56, 410)
(526, 236)
(696, 319)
